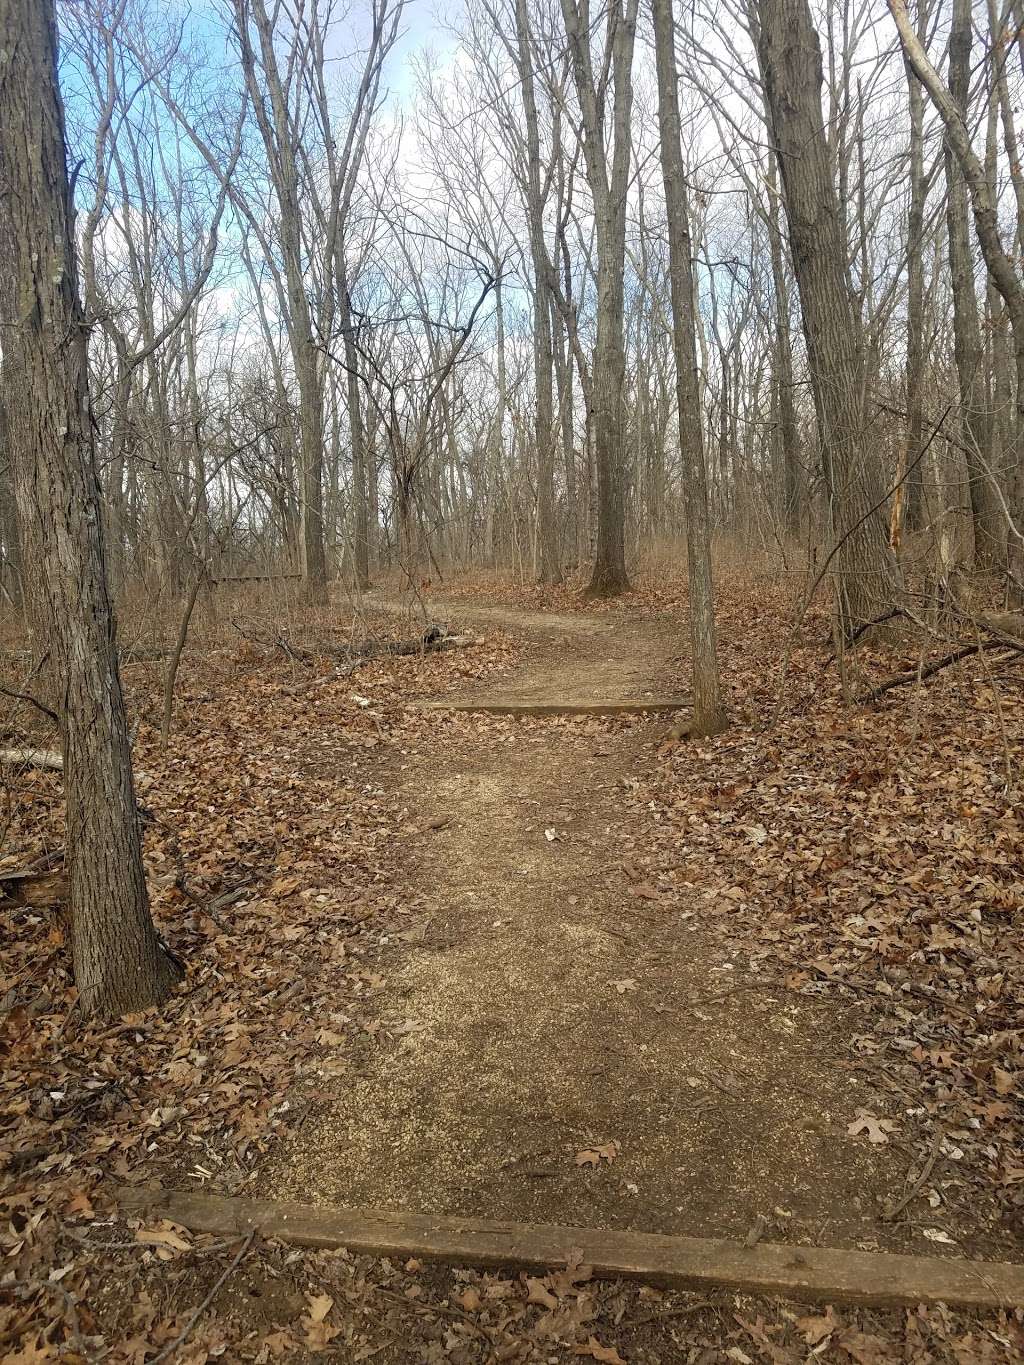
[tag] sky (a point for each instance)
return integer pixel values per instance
(424, 27)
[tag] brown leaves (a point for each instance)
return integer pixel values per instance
(815, 1328)
(877, 1130)
(166, 1237)
(867, 856)
(318, 1332)
(538, 1292)
(593, 1156)
(595, 1351)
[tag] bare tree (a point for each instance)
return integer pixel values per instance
(791, 70)
(119, 961)
(708, 711)
(608, 186)
(1002, 270)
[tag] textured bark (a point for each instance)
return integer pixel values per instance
(708, 711)
(357, 438)
(976, 423)
(118, 960)
(275, 125)
(549, 570)
(1001, 268)
(790, 59)
(10, 572)
(789, 436)
(608, 185)
(913, 489)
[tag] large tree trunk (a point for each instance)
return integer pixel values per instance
(357, 436)
(708, 711)
(913, 489)
(790, 59)
(272, 117)
(1002, 268)
(10, 568)
(975, 419)
(789, 436)
(549, 569)
(118, 960)
(609, 188)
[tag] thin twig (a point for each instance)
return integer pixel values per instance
(684, 1310)
(895, 1210)
(186, 1331)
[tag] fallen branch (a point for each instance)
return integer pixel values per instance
(936, 666)
(186, 1331)
(894, 1210)
(32, 701)
(32, 758)
(40, 889)
(433, 640)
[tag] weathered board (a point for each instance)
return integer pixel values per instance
(498, 707)
(823, 1275)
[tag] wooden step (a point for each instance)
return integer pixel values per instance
(496, 706)
(815, 1274)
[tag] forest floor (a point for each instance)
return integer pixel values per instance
(551, 1004)
(549, 969)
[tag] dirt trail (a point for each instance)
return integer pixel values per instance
(543, 1009)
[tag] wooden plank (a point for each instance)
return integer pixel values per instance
(497, 707)
(820, 1275)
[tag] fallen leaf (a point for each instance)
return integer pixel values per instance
(319, 1306)
(596, 1351)
(593, 1156)
(864, 1348)
(538, 1292)
(877, 1129)
(815, 1328)
(79, 1203)
(167, 1235)
(1003, 1081)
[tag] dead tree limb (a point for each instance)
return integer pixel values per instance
(32, 758)
(936, 666)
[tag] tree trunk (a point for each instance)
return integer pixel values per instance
(913, 489)
(118, 960)
(789, 437)
(609, 189)
(789, 55)
(708, 711)
(360, 505)
(1002, 269)
(549, 569)
(975, 422)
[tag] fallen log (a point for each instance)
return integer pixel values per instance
(256, 577)
(815, 1274)
(38, 888)
(428, 643)
(32, 758)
